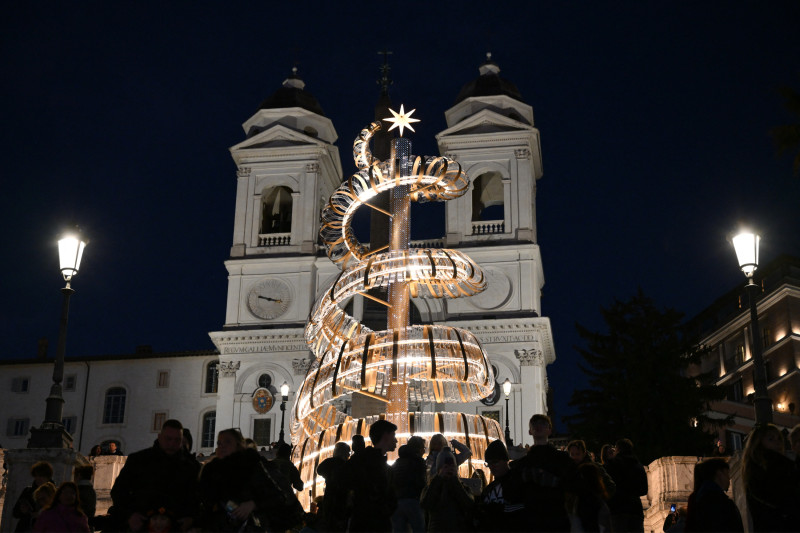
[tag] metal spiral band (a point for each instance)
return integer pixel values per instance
(418, 363)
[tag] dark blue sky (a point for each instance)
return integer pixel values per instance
(118, 116)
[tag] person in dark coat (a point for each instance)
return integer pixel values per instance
(709, 508)
(547, 473)
(630, 478)
(409, 476)
(158, 476)
(25, 507)
(771, 481)
(445, 500)
(237, 492)
(370, 478)
(334, 512)
(501, 505)
(86, 493)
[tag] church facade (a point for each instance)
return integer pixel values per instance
(287, 167)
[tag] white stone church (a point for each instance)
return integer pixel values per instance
(288, 166)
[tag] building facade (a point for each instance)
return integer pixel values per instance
(287, 167)
(724, 327)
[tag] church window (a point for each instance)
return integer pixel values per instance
(264, 381)
(114, 407)
(212, 377)
(276, 210)
(487, 203)
(209, 430)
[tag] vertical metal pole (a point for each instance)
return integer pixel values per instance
(761, 402)
(283, 417)
(508, 431)
(399, 236)
(55, 402)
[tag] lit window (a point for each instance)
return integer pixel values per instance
(208, 434)
(212, 377)
(114, 407)
(163, 379)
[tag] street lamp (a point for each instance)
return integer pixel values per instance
(52, 433)
(507, 392)
(284, 399)
(746, 246)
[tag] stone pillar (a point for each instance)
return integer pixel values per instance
(226, 387)
(533, 379)
(19, 464)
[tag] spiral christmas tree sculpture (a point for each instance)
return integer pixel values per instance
(405, 362)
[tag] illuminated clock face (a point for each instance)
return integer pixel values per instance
(269, 298)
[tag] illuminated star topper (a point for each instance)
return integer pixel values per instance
(401, 120)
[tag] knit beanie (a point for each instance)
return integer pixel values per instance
(496, 451)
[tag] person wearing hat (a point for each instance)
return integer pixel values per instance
(501, 504)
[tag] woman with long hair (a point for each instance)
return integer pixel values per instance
(237, 492)
(64, 515)
(771, 482)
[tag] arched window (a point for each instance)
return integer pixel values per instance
(114, 407)
(264, 381)
(276, 210)
(209, 430)
(212, 377)
(487, 202)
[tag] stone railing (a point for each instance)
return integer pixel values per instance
(488, 227)
(427, 243)
(274, 239)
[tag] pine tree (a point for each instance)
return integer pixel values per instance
(643, 383)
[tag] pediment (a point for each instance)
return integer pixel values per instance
(277, 136)
(485, 121)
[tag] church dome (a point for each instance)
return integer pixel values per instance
(489, 83)
(293, 94)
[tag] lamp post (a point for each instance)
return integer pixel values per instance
(52, 433)
(284, 399)
(507, 392)
(746, 246)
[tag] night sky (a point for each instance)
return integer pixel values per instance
(118, 116)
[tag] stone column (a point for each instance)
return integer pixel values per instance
(533, 394)
(226, 387)
(19, 464)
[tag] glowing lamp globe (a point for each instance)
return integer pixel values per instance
(285, 391)
(746, 246)
(70, 251)
(506, 387)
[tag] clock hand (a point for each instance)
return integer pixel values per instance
(270, 299)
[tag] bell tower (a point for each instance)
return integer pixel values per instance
(286, 167)
(490, 132)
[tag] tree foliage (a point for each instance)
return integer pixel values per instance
(639, 386)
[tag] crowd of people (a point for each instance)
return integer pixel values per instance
(164, 488)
